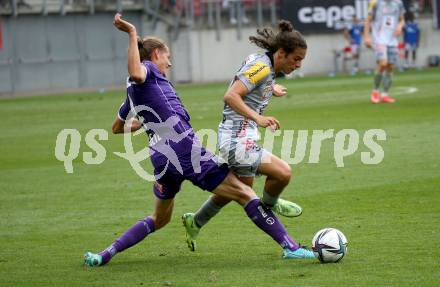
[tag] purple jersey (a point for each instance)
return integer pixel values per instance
(158, 94)
(172, 139)
(124, 109)
(164, 115)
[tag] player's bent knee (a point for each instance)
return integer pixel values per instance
(161, 223)
(246, 193)
(160, 220)
(220, 200)
(284, 174)
(233, 189)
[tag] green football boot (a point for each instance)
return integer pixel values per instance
(191, 230)
(287, 208)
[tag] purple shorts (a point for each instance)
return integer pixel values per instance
(204, 172)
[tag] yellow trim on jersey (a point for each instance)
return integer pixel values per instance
(257, 72)
(371, 5)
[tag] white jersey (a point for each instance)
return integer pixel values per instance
(385, 19)
(257, 74)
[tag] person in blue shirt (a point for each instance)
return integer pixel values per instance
(353, 34)
(411, 37)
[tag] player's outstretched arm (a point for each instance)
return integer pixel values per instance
(372, 6)
(135, 70)
(347, 35)
(399, 28)
(367, 34)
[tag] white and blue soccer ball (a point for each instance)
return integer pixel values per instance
(329, 245)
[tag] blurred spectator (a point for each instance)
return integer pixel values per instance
(411, 37)
(418, 7)
(170, 6)
(353, 34)
(20, 3)
(235, 8)
(414, 8)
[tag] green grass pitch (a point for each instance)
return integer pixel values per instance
(389, 212)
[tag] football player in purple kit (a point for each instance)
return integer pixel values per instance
(162, 115)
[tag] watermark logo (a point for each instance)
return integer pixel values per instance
(74, 144)
(162, 135)
(171, 141)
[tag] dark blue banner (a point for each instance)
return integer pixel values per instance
(311, 16)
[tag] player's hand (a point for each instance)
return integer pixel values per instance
(268, 122)
(398, 31)
(279, 90)
(123, 25)
(367, 42)
(134, 124)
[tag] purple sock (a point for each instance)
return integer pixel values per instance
(264, 218)
(132, 236)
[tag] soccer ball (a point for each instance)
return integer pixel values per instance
(329, 245)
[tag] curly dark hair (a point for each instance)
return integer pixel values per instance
(287, 38)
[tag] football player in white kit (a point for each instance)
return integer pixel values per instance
(248, 95)
(382, 28)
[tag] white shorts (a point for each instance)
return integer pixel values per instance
(387, 53)
(243, 155)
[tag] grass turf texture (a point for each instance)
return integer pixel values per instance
(389, 212)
